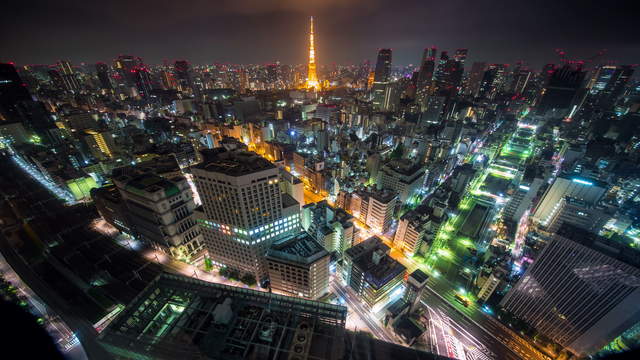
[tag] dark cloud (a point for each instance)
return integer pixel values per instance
(259, 31)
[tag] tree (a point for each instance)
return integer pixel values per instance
(248, 279)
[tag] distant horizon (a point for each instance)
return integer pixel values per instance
(347, 31)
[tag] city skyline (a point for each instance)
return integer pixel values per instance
(454, 208)
(266, 32)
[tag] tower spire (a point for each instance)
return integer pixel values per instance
(312, 77)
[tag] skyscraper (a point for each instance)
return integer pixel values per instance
(475, 78)
(383, 66)
(560, 90)
(143, 80)
(69, 78)
(425, 75)
(181, 69)
(243, 208)
(124, 65)
(381, 86)
(102, 70)
(312, 77)
(586, 190)
(582, 290)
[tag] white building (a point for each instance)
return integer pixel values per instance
(243, 209)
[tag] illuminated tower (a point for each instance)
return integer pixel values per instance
(312, 77)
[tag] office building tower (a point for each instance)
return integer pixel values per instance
(440, 75)
(182, 72)
(375, 209)
(102, 70)
(418, 227)
(142, 81)
(12, 92)
(522, 199)
(425, 75)
(521, 78)
(560, 91)
(587, 190)
(330, 226)
(69, 78)
(475, 78)
(456, 70)
(403, 176)
(495, 281)
(371, 273)
(611, 84)
(383, 66)
(240, 324)
(582, 290)
(579, 213)
(493, 81)
(124, 65)
(244, 211)
(160, 211)
(299, 266)
(414, 288)
(381, 88)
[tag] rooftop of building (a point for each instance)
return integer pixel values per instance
(179, 317)
(419, 276)
(233, 162)
(383, 196)
(299, 248)
(404, 167)
(150, 183)
(339, 214)
(376, 274)
(615, 247)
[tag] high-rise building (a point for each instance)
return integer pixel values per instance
(416, 284)
(375, 209)
(581, 291)
(382, 88)
(586, 190)
(371, 273)
(331, 227)
(383, 66)
(124, 65)
(609, 83)
(299, 266)
(160, 211)
(69, 77)
(102, 70)
(418, 227)
(493, 81)
(559, 93)
(182, 72)
(579, 213)
(403, 176)
(244, 211)
(425, 75)
(475, 78)
(142, 81)
(312, 77)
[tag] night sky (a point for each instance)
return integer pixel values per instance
(348, 31)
